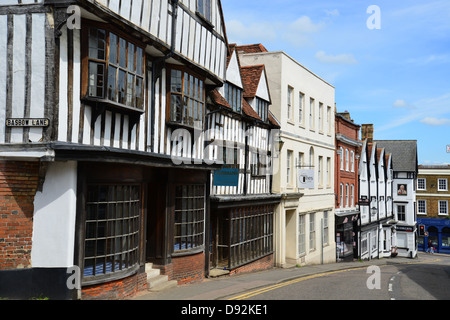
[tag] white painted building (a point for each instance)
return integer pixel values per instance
(303, 103)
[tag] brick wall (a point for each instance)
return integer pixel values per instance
(186, 269)
(116, 290)
(18, 186)
(264, 263)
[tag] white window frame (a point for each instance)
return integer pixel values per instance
(301, 109)
(347, 191)
(312, 231)
(352, 195)
(352, 161)
(301, 234)
(424, 206)
(289, 167)
(440, 202)
(342, 157)
(439, 184)
(346, 160)
(341, 196)
(424, 184)
(290, 103)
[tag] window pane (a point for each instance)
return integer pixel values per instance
(139, 93)
(96, 79)
(131, 57)
(175, 101)
(112, 75)
(130, 87)
(121, 86)
(97, 44)
(122, 53)
(113, 48)
(139, 61)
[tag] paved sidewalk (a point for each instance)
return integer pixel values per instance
(226, 287)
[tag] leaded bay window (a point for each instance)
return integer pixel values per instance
(111, 241)
(113, 68)
(189, 217)
(187, 99)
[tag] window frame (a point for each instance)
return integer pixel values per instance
(424, 184)
(424, 202)
(170, 93)
(196, 235)
(440, 202)
(233, 95)
(439, 184)
(110, 234)
(86, 62)
(403, 213)
(205, 15)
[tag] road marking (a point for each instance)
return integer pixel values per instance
(390, 287)
(287, 283)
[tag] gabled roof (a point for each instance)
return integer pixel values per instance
(252, 48)
(251, 76)
(404, 154)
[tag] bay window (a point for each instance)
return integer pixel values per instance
(186, 99)
(113, 67)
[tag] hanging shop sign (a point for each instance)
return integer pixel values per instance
(306, 179)
(27, 122)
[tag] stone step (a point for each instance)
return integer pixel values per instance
(160, 282)
(156, 281)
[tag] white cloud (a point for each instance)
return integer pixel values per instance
(431, 121)
(402, 104)
(255, 32)
(333, 13)
(347, 59)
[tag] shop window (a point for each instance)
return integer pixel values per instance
(189, 217)
(245, 235)
(111, 239)
(186, 99)
(113, 68)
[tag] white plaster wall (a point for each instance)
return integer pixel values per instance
(54, 218)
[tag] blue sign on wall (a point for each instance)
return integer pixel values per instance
(226, 177)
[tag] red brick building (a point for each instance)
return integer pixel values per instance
(348, 146)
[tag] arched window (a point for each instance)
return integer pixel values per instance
(342, 157)
(346, 159)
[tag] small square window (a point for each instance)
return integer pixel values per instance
(421, 184)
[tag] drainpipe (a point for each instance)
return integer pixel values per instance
(159, 63)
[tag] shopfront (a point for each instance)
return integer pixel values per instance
(345, 237)
(437, 235)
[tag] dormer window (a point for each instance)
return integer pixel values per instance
(262, 108)
(233, 95)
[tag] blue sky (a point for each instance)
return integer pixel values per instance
(396, 77)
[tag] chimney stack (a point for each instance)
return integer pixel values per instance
(367, 132)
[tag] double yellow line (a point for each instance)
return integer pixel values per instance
(287, 283)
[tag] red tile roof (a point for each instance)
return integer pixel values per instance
(251, 75)
(252, 48)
